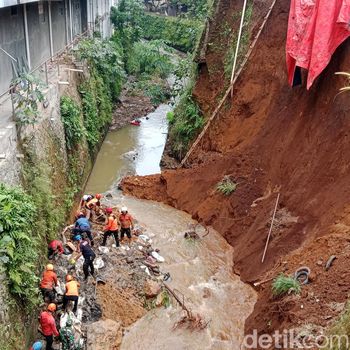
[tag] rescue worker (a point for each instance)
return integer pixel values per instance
(38, 345)
(67, 337)
(72, 293)
(55, 248)
(126, 222)
(82, 225)
(89, 256)
(48, 325)
(86, 198)
(93, 205)
(48, 282)
(111, 228)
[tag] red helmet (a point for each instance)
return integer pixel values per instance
(109, 210)
(98, 196)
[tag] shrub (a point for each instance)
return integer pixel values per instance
(284, 284)
(18, 243)
(176, 32)
(226, 186)
(72, 121)
(149, 58)
(184, 124)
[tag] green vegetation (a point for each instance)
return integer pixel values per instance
(19, 243)
(180, 33)
(340, 330)
(284, 284)
(26, 95)
(102, 88)
(184, 123)
(72, 121)
(149, 58)
(226, 186)
(127, 19)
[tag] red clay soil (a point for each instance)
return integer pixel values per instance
(273, 138)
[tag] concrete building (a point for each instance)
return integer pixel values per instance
(34, 31)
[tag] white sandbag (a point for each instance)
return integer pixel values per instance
(158, 257)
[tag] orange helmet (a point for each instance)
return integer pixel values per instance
(52, 307)
(98, 196)
(69, 278)
(109, 210)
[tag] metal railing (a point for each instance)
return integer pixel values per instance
(45, 69)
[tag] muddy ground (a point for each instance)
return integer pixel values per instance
(132, 104)
(272, 139)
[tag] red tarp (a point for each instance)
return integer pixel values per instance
(315, 29)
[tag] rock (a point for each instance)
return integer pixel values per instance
(104, 335)
(129, 260)
(312, 276)
(206, 293)
(108, 195)
(160, 299)
(319, 263)
(151, 289)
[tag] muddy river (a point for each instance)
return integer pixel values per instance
(200, 270)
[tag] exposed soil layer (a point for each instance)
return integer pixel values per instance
(273, 138)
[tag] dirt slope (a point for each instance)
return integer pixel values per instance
(274, 138)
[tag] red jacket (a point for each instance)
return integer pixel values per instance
(48, 324)
(56, 245)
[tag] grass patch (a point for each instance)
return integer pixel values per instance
(226, 186)
(284, 284)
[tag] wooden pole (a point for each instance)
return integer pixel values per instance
(269, 235)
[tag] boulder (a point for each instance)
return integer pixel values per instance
(104, 335)
(152, 289)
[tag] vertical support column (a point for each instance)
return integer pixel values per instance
(50, 29)
(26, 35)
(66, 18)
(70, 20)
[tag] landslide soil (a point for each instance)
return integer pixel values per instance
(272, 138)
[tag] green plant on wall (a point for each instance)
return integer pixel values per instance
(184, 123)
(72, 122)
(18, 243)
(26, 93)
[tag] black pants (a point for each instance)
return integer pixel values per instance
(52, 253)
(124, 231)
(109, 233)
(48, 294)
(68, 298)
(78, 231)
(88, 264)
(49, 342)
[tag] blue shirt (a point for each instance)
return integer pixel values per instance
(83, 224)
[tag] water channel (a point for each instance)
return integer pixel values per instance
(201, 270)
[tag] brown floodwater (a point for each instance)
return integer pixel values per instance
(130, 150)
(201, 270)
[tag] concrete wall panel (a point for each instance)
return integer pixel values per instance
(38, 29)
(58, 25)
(12, 40)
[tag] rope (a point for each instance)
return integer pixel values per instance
(217, 109)
(237, 46)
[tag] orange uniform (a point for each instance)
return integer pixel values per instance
(49, 280)
(112, 224)
(72, 288)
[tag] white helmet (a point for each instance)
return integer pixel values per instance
(85, 197)
(124, 209)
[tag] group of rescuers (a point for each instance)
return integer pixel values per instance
(81, 234)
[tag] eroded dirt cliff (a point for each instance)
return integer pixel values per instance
(272, 138)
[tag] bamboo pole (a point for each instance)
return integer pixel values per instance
(269, 235)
